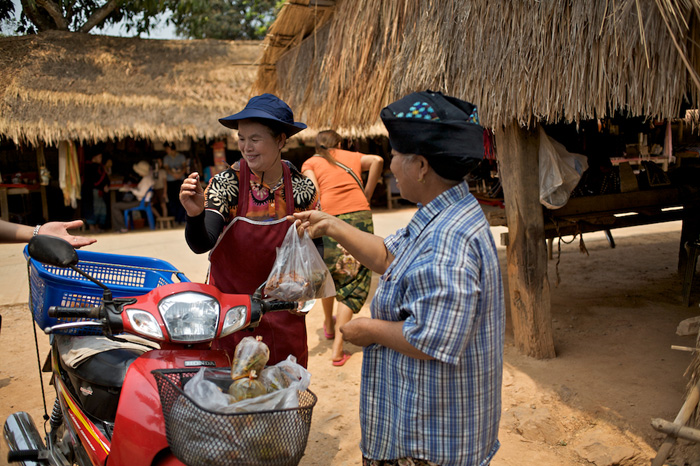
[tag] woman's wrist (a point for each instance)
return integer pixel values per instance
(36, 230)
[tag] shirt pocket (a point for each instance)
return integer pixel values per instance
(388, 297)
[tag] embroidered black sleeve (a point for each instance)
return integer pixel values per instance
(222, 193)
(305, 194)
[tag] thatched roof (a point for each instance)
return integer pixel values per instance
(530, 61)
(72, 86)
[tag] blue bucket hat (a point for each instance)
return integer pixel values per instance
(266, 107)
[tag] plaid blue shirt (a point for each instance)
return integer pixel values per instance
(445, 285)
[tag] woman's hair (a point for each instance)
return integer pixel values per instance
(326, 140)
(275, 128)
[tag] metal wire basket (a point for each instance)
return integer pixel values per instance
(198, 436)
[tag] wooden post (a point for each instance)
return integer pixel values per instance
(527, 251)
(41, 163)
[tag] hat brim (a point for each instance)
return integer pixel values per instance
(141, 170)
(231, 121)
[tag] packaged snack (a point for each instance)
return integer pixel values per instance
(246, 387)
(251, 355)
(273, 378)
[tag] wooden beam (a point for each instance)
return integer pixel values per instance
(527, 251)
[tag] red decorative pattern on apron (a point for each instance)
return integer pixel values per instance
(242, 260)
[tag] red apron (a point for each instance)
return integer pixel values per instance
(242, 260)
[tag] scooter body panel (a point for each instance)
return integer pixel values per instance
(139, 428)
(94, 442)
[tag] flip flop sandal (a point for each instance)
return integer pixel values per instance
(343, 360)
(329, 336)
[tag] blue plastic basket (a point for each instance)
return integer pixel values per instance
(124, 275)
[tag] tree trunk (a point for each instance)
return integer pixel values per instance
(527, 250)
(54, 10)
(99, 16)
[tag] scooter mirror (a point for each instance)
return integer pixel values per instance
(52, 250)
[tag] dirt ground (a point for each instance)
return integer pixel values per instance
(614, 314)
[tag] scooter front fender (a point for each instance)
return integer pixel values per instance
(139, 428)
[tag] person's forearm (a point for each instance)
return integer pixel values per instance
(13, 233)
(375, 172)
(366, 331)
(367, 248)
(202, 231)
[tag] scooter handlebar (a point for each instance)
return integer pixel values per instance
(269, 306)
(80, 312)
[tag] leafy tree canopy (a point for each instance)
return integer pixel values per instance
(197, 19)
(224, 19)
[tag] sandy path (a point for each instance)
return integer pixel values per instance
(614, 315)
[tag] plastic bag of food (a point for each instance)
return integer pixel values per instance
(251, 355)
(274, 379)
(247, 387)
(299, 273)
(208, 389)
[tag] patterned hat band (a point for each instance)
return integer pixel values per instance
(425, 111)
(443, 129)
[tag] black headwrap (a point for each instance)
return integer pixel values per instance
(443, 129)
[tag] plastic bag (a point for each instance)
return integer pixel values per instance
(299, 273)
(247, 387)
(251, 355)
(208, 388)
(560, 172)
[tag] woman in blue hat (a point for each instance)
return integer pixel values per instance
(241, 217)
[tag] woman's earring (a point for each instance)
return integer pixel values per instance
(421, 180)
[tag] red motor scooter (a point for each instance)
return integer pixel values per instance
(108, 410)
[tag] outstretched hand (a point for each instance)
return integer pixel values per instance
(60, 229)
(192, 195)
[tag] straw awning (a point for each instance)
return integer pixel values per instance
(69, 86)
(338, 63)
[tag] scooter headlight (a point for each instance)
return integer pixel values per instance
(190, 317)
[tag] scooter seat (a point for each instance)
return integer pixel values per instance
(97, 381)
(107, 368)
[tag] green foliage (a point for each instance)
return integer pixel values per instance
(224, 19)
(196, 19)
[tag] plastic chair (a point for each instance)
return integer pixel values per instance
(144, 206)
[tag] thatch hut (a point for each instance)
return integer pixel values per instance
(58, 86)
(130, 93)
(524, 63)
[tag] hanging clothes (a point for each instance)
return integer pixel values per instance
(69, 173)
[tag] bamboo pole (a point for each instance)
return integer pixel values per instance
(684, 414)
(676, 430)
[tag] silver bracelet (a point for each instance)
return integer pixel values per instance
(36, 230)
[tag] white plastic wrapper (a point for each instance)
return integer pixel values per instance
(209, 395)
